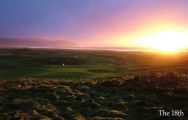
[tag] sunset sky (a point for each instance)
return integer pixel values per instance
(92, 22)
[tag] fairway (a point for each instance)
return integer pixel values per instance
(46, 63)
(21, 63)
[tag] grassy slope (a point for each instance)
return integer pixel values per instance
(21, 63)
(35, 63)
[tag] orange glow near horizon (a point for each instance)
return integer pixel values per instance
(165, 41)
(160, 38)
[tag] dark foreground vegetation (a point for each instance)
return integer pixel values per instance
(137, 97)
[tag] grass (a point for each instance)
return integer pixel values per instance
(93, 85)
(45, 63)
(20, 63)
(127, 97)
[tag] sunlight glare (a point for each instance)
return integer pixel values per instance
(166, 41)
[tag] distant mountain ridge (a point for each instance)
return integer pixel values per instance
(35, 43)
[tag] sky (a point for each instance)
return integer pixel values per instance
(91, 22)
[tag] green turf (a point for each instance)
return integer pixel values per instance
(45, 63)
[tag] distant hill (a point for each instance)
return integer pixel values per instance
(34, 43)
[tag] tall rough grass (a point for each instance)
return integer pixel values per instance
(129, 97)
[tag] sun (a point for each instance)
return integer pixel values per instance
(165, 41)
